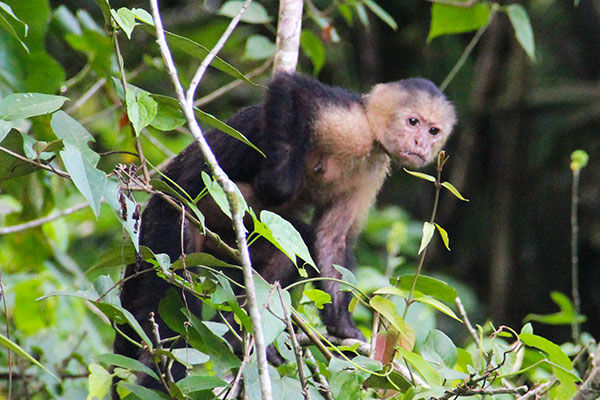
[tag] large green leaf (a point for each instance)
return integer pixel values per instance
(425, 369)
(429, 286)
(446, 19)
(439, 349)
(9, 344)
(554, 352)
(25, 105)
(13, 25)
(388, 310)
(80, 161)
(313, 47)
(258, 47)
(565, 316)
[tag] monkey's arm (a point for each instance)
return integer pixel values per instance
(336, 233)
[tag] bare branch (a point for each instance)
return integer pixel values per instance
(213, 53)
(228, 187)
(232, 85)
(287, 44)
(37, 222)
(35, 163)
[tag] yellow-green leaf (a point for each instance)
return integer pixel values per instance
(454, 190)
(444, 236)
(420, 175)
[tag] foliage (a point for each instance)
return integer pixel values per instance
(82, 147)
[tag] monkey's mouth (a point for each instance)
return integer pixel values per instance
(414, 158)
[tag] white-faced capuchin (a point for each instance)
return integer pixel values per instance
(328, 152)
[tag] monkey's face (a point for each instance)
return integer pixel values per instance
(410, 125)
(413, 137)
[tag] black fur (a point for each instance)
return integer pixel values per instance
(282, 127)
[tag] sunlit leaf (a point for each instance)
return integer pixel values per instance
(554, 352)
(438, 305)
(125, 19)
(99, 382)
(579, 159)
(447, 19)
(444, 236)
(421, 175)
(453, 190)
(319, 297)
(13, 25)
(429, 286)
(312, 46)
(381, 13)
(428, 229)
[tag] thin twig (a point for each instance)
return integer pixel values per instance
(463, 57)
(575, 256)
(537, 391)
(472, 331)
(295, 345)
(9, 352)
(316, 371)
(374, 333)
(37, 222)
(313, 338)
(35, 163)
(87, 95)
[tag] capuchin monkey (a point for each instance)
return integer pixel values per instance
(328, 151)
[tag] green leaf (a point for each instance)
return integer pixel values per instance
(454, 191)
(425, 369)
(198, 51)
(5, 127)
(554, 352)
(99, 382)
(39, 63)
(222, 126)
(444, 236)
(141, 109)
(565, 316)
(13, 25)
(381, 13)
(80, 161)
(139, 391)
(319, 297)
(438, 305)
(143, 15)
(520, 22)
(446, 19)
(202, 259)
(18, 350)
(189, 356)
(428, 229)
(218, 194)
(429, 286)
(312, 46)
(258, 47)
(121, 316)
(168, 114)
(119, 360)
(579, 159)
(387, 309)
(125, 19)
(196, 383)
(254, 14)
(421, 175)
(285, 237)
(439, 349)
(25, 105)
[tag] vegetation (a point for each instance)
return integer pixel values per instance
(88, 116)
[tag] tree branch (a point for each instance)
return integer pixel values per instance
(37, 222)
(287, 44)
(227, 185)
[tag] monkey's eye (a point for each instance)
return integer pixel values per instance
(434, 131)
(413, 121)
